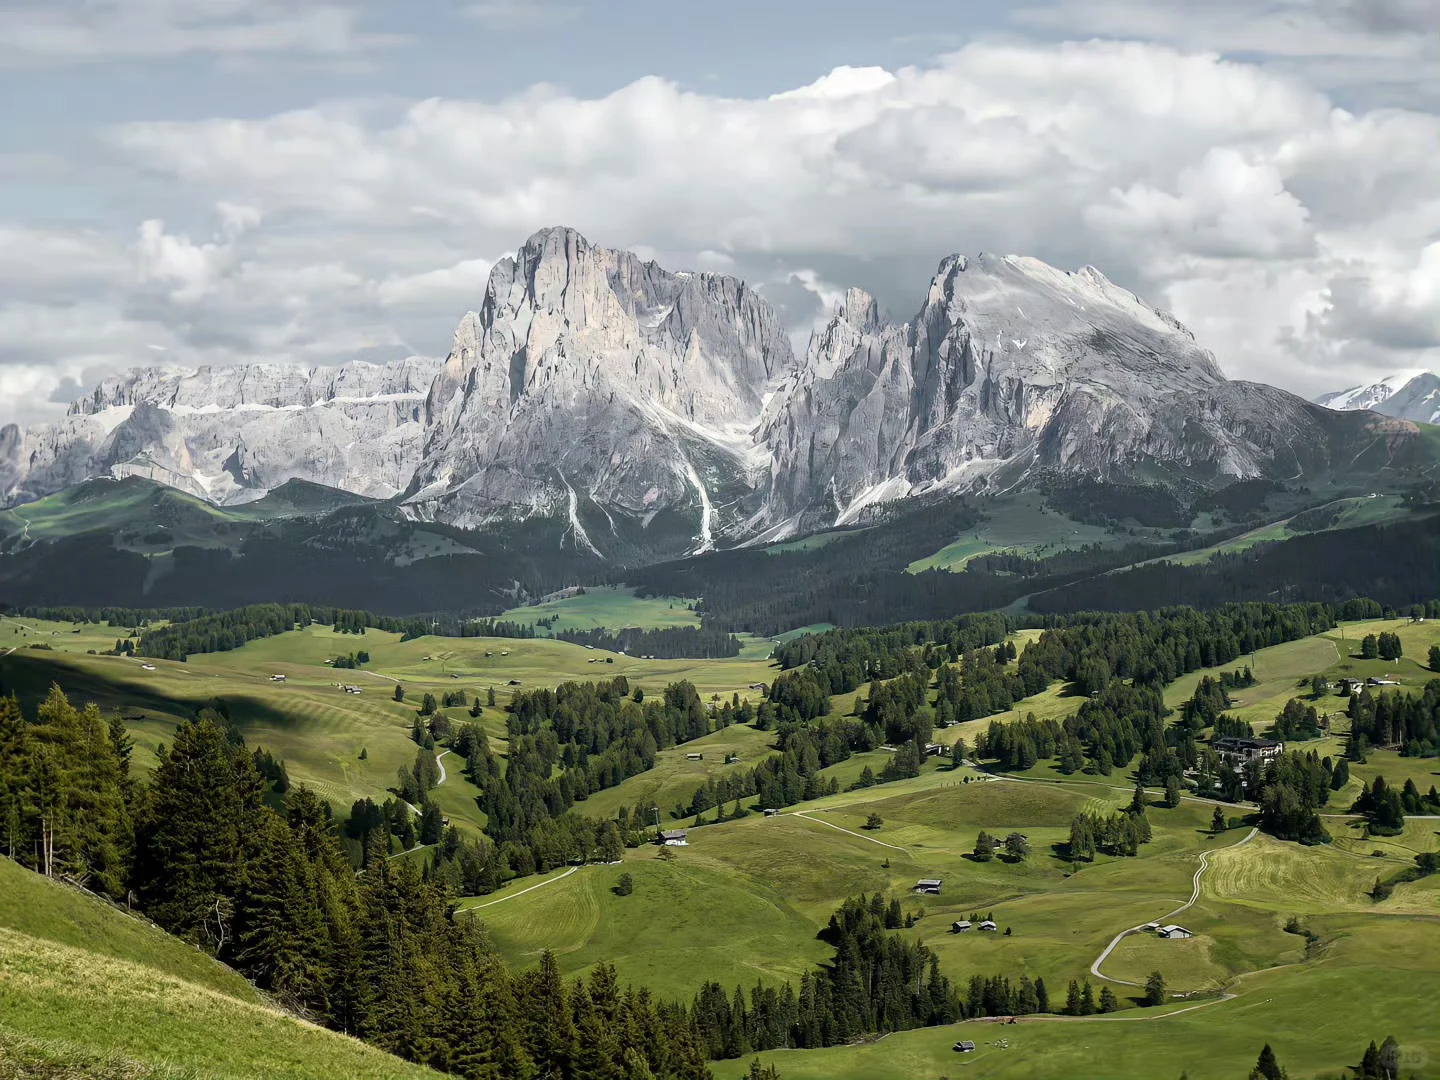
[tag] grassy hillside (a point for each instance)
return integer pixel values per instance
(610, 606)
(88, 990)
(1022, 524)
(311, 722)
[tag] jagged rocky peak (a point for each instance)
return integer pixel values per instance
(229, 434)
(563, 310)
(588, 369)
(1008, 358)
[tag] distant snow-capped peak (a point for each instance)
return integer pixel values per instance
(1368, 397)
(1406, 395)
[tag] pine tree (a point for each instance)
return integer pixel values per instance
(1267, 1068)
(1072, 999)
(1217, 822)
(16, 766)
(1108, 1004)
(199, 832)
(984, 847)
(1155, 989)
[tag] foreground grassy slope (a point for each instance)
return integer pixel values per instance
(87, 990)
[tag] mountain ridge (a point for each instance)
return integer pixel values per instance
(659, 414)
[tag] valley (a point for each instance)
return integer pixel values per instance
(744, 902)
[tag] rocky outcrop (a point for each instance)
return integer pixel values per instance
(232, 434)
(589, 374)
(1008, 362)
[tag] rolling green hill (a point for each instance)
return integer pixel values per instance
(89, 990)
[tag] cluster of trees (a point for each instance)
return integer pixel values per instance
(786, 778)
(108, 616)
(379, 954)
(564, 745)
(850, 657)
(195, 630)
(1080, 999)
(1386, 806)
(1291, 789)
(1410, 722)
(1296, 722)
(705, 642)
(351, 661)
(1385, 646)
(876, 982)
(1120, 833)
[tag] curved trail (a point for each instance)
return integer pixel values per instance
(806, 815)
(1194, 896)
(442, 766)
(522, 892)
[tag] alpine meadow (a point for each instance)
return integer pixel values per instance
(558, 541)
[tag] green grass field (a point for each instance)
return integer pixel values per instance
(311, 722)
(609, 606)
(88, 990)
(1018, 523)
(22, 633)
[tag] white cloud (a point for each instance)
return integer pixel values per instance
(86, 31)
(1225, 206)
(1289, 232)
(463, 283)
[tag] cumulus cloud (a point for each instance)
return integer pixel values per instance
(1288, 231)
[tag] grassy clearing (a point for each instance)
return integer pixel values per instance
(1018, 523)
(1283, 672)
(675, 776)
(1218, 1040)
(87, 990)
(610, 606)
(21, 633)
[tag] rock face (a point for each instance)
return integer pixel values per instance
(1009, 366)
(588, 372)
(232, 434)
(1409, 395)
(651, 413)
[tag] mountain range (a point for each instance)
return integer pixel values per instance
(653, 414)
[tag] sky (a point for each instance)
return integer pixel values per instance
(188, 182)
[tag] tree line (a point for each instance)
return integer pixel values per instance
(668, 643)
(380, 954)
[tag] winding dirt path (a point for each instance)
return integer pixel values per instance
(818, 821)
(522, 892)
(442, 766)
(1194, 896)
